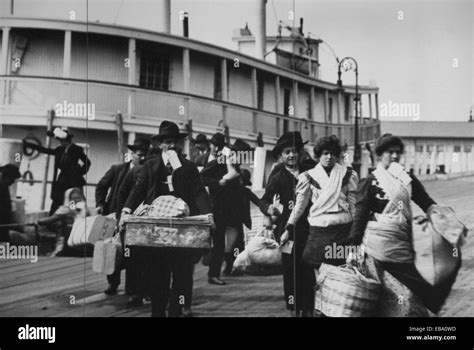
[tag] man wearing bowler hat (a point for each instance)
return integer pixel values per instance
(107, 190)
(70, 165)
(157, 178)
(278, 200)
(106, 200)
(201, 150)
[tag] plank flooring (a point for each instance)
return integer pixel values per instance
(67, 286)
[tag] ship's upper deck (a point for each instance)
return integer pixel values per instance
(173, 40)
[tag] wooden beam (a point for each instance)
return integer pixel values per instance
(44, 183)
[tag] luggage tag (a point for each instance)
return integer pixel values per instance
(287, 247)
(173, 159)
(169, 180)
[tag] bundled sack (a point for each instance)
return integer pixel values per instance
(437, 241)
(168, 206)
(242, 262)
(107, 255)
(343, 291)
(91, 229)
(263, 249)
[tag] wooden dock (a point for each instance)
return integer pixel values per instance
(67, 287)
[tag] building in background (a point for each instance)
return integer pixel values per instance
(435, 147)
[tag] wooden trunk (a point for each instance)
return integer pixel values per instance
(187, 232)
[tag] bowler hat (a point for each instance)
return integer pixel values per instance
(218, 140)
(170, 130)
(140, 144)
(201, 138)
(288, 139)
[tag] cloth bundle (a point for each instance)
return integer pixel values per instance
(437, 240)
(164, 206)
(263, 249)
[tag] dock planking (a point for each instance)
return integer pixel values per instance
(67, 286)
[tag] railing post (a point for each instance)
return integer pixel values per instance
(44, 183)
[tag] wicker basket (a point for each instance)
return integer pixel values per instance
(342, 291)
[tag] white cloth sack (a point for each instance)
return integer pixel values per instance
(242, 261)
(263, 249)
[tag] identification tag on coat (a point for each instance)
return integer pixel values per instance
(173, 159)
(169, 180)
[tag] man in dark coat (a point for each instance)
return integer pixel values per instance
(106, 201)
(298, 278)
(201, 150)
(70, 165)
(231, 206)
(158, 178)
(8, 174)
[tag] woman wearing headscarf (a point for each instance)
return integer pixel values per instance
(383, 222)
(74, 206)
(331, 188)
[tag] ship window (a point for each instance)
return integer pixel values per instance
(467, 148)
(419, 148)
(347, 107)
(429, 148)
(154, 71)
(440, 148)
(330, 110)
(260, 87)
(457, 149)
(217, 81)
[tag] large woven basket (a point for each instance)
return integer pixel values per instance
(342, 291)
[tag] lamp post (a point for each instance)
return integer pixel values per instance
(349, 63)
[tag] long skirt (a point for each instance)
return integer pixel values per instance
(405, 292)
(321, 240)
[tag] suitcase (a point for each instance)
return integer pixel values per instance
(105, 256)
(91, 229)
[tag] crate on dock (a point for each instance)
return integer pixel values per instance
(185, 232)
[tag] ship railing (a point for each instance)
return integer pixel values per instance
(28, 97)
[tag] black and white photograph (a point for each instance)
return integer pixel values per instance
(237, 159)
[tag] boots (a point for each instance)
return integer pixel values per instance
(60, 245)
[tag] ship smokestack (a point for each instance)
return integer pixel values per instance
(166, 17)
(260, 32)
